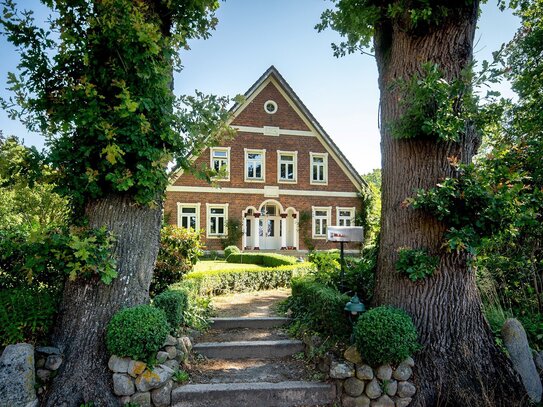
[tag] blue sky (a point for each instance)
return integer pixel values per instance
(251, 35)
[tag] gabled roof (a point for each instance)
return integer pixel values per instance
(325, 138)
(273, 74)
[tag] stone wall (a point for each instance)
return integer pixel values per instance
(136, 382)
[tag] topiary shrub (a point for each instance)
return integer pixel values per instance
(231, 249)
(174, 304)
(385, 335)
(137, 332)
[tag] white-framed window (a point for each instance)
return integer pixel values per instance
(217, 215)
(319, 168)
(220, 162)
(287, 166)
(321, 220)
(345, 216)
(188, 215)
(255, 165)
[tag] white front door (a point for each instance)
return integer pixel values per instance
(270, 233)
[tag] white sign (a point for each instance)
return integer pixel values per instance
(345, 234)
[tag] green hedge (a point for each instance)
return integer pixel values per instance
(26, 315)
(242, 280)
(263, 259)
(173, 303)
(319, 308)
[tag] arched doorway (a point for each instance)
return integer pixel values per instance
(270, 227)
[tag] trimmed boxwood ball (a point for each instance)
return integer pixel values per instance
(137, 332)
(229, 250)
(385, 335)
(174, 304)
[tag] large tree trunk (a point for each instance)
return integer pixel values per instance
(459, 364)
(87, 306)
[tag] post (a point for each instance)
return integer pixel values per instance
(342, 275)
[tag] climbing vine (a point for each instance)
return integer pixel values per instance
(416, 264)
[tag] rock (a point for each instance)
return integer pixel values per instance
(403, 402)
(141, 399)
(153, 379)
(361, 401)
(40, 362)
(161, 356)
(409, 362)
(53, 362)
(170, 341)
(384, 372)
(352, 355)
(162, 397)
(383, 401)
(187, 342)
(172, 351)
(538, 360)
(181, 345)
(123, 385)
(406, 389)
(514, 339)
(353, 387)
(17, 376)
(124, 400)
(341, 370)
(364, 372)
(118, 365)
(373, 389)
(172, 364)
(48, 350)
(403, 372)
(181, 356)
(43, 374)
(136, 367)
(391, 387)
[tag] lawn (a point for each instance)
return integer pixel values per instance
(212, 265)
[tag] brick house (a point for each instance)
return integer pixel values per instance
(283, 180)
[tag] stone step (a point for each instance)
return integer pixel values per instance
(243, 334)
(283, 394)
(249, 349)
(250, 371)
(255, 323)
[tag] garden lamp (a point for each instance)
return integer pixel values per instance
(354, 306)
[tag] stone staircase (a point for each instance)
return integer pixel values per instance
(249, 363)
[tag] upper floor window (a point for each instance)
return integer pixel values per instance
(319, 168)
(188, 215)
(255, 165)
(345, 216)
(220, 162)
(217, 214)
(287, 166)
(321, 220)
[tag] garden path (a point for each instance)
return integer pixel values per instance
(249, 360)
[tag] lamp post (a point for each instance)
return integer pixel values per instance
(354, 307)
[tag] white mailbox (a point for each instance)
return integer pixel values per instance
(345, 234)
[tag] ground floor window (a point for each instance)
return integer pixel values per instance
(188, 215)
(345, 216)
(321, 220)
(217, 215)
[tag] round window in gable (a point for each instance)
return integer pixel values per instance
(270, 107)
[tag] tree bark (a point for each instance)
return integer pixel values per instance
(459, 364)
(88, 305)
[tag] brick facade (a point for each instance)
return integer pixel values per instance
(293, 200)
